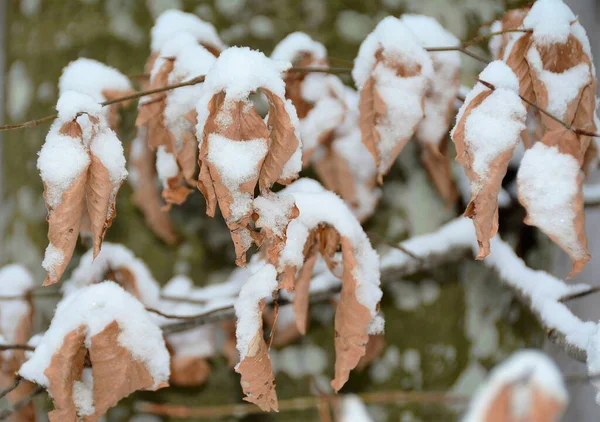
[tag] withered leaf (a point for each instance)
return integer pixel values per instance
(189, 371)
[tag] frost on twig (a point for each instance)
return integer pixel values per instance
(82, 166)
(487, 130)
(115, 263)
(238, 149)
(102, 82)
(526, 387)
(107, 327)
(390, 60)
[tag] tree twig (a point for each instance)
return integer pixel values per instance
(479, 38)
(16, 347)
(299, 403)
(21, 403)
(578, 295)
(461, 49)
(11, 387)
(547, 113)
(398, 246)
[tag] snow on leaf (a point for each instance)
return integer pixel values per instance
(391, 60)
(255, 368)
(238, 150)
(325, 224)
(526, 387)
(302, 51)
(116, 263)
(98, 80)
(432, 131)
(108, 327)
(550, 186)
(487, 130)
(82, 166)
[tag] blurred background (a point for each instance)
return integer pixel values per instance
(445, 328)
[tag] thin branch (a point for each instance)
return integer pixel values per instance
(11, 387)
(547, 113)
(203, 315)
(461, 49)
(21, 404)
(334, 70)
(381, 240)
(32, 294)
(578, 295)
(4, 347)
(298, 403)
(479, 38)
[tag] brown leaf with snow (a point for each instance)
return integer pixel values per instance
(284, 144)
(371, 108)
(63, 227)
(258, 381)
(100, 199)
(294, 81)
(352, 321)
(302, 291)
(116, 373)
(483, 206)
(113, 110)
(375, 348)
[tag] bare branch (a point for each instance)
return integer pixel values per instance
(4, 347)
(578, 295)
(298, 403)
(11, 387)
(21, 404)
(479, 38)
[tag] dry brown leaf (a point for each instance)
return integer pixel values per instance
(375, 347)
(371, 108)
(438, 167)
(113, 109)
(284, 144)
(146, 195)
(351, 322)
(189, 371)
(483, 206)
(115, 371)
(294, 80)
(567, 143)
(100, 201)
(258, 381)
(63, 226)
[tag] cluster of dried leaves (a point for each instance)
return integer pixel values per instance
(87, 205)
(545, 65)
(289, 224)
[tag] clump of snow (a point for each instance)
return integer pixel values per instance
(354, 410)
(318, 206)
(61, 160)
(166, 165)
(550, 21)
(230, 74)
(83, 393)
(172, 22)
(561, 88)
(495, 125)
(108, 149)
(247, 307)
(294, 45)
(71, 104)
(237, 163)
(95, 307)
(444, 83)
(398, 44)
(15, 280)
(274, 212)
(527, 372)
(92, 77)
(113, 256)
(53, 257)
(547, 181)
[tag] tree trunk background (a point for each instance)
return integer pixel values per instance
(444, 328)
